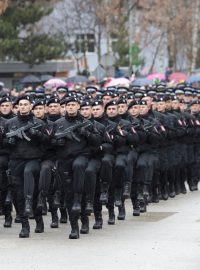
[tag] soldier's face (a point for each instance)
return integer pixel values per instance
(144, 109)
(122, 108)
(187, 99)
(6, 108)
(194, 108)
(39, 111)
(106, 99)
(72, 108)
(62, 109)
(161, 106)
(54, 108)
(86, 111)
(97, 111)
(15, 109)
(175, 105)
(148, 100)
(154, 106)
(134, 110)
(112, 111)
(24, 107)
(61, 94)
(168, 104)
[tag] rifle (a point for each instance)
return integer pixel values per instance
(70, 130)
(20, 132)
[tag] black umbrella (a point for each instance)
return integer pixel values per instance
(77, 79)
(30, 79)
(45, 77)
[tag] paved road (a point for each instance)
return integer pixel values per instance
(167, 237)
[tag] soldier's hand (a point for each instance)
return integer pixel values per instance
(61, 142)
(12, 141)
(35, 132)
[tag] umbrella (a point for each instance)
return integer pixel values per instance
(45, 77)
(77, 79)
(155, 76)
(30, 79)
(2, 84)
(54, 83)
(142, 81)
(178, 76)
(118, 81)
(193, 79)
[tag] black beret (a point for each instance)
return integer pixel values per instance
(161, 99)
(142, 102)
(5, 99)
(107, 93)
(53, 100)
(24, 97)
(38, 103)
(111, 88)
(85, 104)
(139, 94)
(133, 103)
(62, 89)
(91, 89)
(71, 99)
(97, 103)
(130, 96)
(174, 98)
(195, 102)
(121, 101)
(179, 91)
(111, 103)
(122, 89)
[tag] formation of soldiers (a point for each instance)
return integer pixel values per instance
(72, 153)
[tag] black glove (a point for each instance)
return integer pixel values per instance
(12, 141)
(84, 132)
(61, 142)
(35, 133)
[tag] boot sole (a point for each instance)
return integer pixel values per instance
(39, 231)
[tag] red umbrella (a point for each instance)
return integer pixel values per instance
(155, 76)
(178, 77)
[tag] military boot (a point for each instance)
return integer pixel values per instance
(111, 217)
(9, 198)
(75, 230)
(143, 207)
(177, 187)
(85, 225)
(63, 217)
(25, 229)
(41, 201)
(118, 197)
(17, 218)
(39, 224)
(172, 192)
(56, 199)
(155, 194)
(183, 187)
(89, 205)
(98, 222)
(8, 221)
(164, 191)
(126, 190)
(136, 208)
(104, 193)
(76, 208)
(146, 193)
(122, 212)
(28, 205)
(191, 185)
(54, 223)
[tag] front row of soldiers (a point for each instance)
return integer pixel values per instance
(95, 154)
